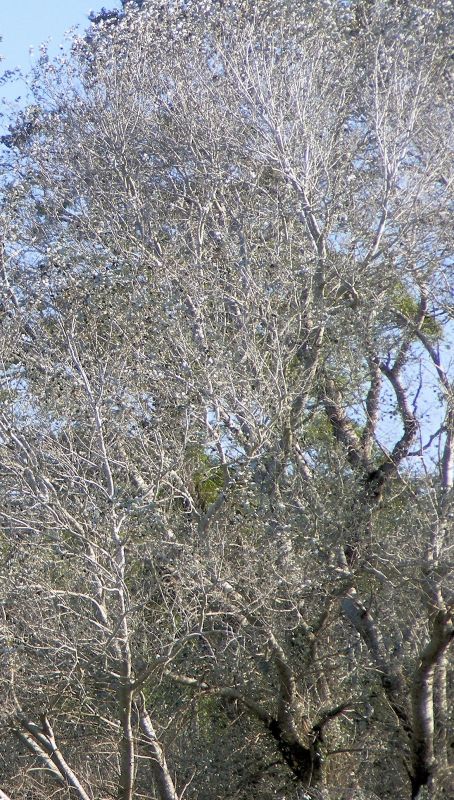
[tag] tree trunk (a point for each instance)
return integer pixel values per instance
(161, 774)
(304, 761)
(422, 697)
(126, 781)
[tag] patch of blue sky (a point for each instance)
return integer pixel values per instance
(24, 27)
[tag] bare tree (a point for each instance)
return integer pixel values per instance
(227, 411)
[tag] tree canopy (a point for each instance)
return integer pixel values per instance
(226, 407)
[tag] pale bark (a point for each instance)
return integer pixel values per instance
(441, 706)
(417, 721)
(161, 773)
(125, 691)
(422, 698)
(391, 680)
(43, 757)
(41, 741)
(127, 747)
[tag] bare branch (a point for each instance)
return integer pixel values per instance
(42, 742)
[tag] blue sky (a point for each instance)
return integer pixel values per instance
(27, 23)
(24, 25)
